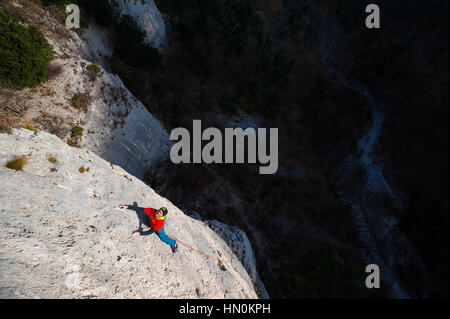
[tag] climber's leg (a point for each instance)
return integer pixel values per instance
(169, 241)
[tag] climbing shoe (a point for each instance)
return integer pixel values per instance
(174, 248)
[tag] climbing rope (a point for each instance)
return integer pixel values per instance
(219, 262)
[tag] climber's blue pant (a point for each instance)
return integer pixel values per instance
(162, 235)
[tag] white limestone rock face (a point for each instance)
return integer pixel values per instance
(98, 40)
(148, 17)
(240, 245)
(62, 235)
(116, 125)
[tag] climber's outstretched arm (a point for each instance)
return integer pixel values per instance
(131, 207)
(140, 211)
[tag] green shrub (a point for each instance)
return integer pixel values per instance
(24, 53)
(94, 68)
(92, 71)
(77, 131)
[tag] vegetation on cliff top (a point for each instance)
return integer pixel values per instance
(25, 54)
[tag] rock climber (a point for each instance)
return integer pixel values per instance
(157, 220)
